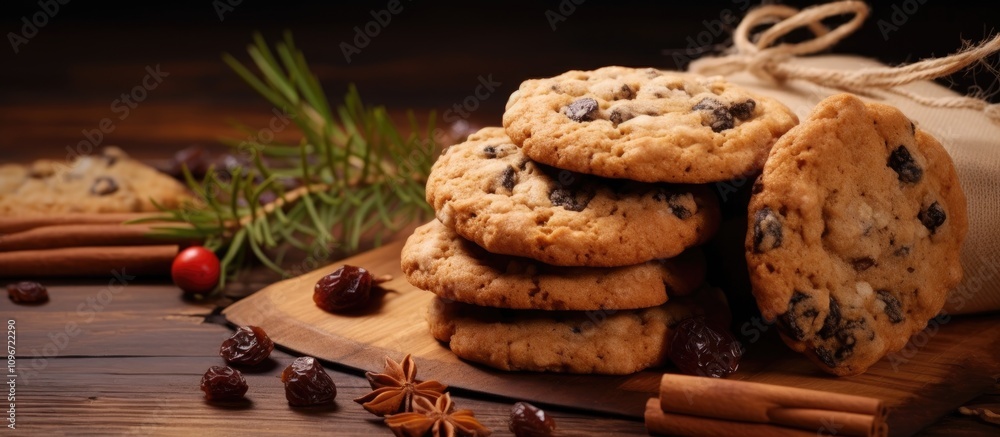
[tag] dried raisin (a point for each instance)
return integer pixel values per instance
(249, 346)
(306, 383)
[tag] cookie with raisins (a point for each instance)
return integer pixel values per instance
(487, 191)
(104, 182)
(854, 233)
(436, 259)
(611, 342)
(645, 124)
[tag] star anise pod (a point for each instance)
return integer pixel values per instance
(396, 390)
(438, 419)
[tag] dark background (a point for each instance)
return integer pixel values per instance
(429, 56)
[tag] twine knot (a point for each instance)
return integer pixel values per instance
(760, 55)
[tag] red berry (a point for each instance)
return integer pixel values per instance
(196, 270)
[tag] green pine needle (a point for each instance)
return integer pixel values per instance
(353, 174)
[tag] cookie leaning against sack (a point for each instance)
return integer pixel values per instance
(603, 342)
(101, 183)
(437, 259)
(489, 192)
(855, 230)
(645, 125)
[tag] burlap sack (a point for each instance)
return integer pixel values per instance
(969, 136)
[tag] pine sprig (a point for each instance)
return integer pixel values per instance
(352, 175)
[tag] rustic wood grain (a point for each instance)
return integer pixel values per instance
(955, 365)
(147, 385)
(101, 385)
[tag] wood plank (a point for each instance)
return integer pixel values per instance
(153, 391)
(943, 368)
(160, 396)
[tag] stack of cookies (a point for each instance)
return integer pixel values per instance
(566, 241)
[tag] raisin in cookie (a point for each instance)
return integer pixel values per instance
(101, 183)
(605, 342)
(855, 228)
(489, 192)
(645, 125)
(436, 259)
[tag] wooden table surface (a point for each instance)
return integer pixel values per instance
(100, 360)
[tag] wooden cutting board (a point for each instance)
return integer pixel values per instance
(942, 368)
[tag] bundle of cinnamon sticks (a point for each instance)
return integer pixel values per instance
(81, 245)
(699, 406)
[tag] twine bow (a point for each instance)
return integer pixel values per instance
(767, 61)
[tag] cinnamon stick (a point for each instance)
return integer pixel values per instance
(10, 225)
(742, 401)
(51, 237)
(88, 261)
(659, 422)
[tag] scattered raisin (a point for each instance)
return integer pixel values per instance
(674, 201)
(800, 307)
(893, 308)
(714, 114)
(490, 152)
(223, 383)
(26, 292)
(306, 383)
(825, 356)
(620, 115)
(862, 264)
(508, 178)
(767, 233)
(743, 110)
(841, 332)
(699, 349)
(195, 158)
(832, 320)
(624, 93)
(527, 420)
(932, 217)
(249, 346)
(905, 167)
(348, 287)
(581, 110)
(567, 199)
(103, 186)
